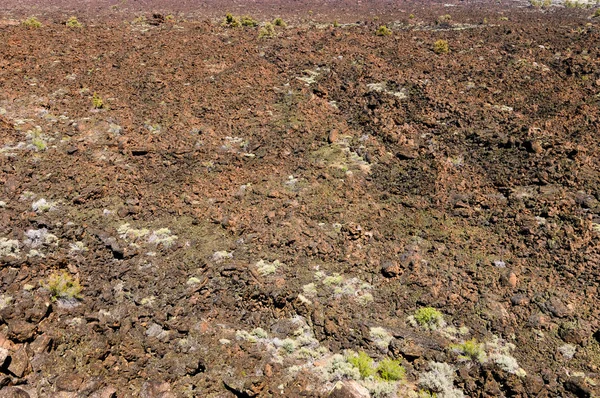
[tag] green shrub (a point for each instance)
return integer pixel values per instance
(470, 350)
(97, 101)
(266, 31)
(336, 24)
(383, 31)
(279, 22)
(248, 21)
(390, 370)
(441, 47)
(411, 16)
(597, 13)
(73, 23)
(429, 318)
(32, 22)
(364, 363)
(63, 286)
(231, 21)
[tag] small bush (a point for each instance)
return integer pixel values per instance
(32, 22)
(429, 318)
(97, 101)
(390, 370)
(63, 286)
(336, 24)
(231, 21)
(470, 350)
(73, 23)
(411, 16)
(364, 363)
(383, 31)
(279, 22)
(248, 21)
(266, 31)
(597, 13)
(441, 47)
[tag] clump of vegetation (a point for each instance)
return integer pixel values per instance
(248, 21)
(364, 363)
(443, 21)
(97, 101)
(32, 22)
(141, 20)
(267, 31)
(231, 21)
(63, 286)
(390, 370)
(540, 3)
(470, 350)
(597, 13)
(170, 18)
(383, 31)
(411, 16)
(73, 23)
(429, 318)
(503, 19)
(441, 47)
(279, 22)
(439, 381)
(336, 24)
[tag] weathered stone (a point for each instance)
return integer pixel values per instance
(519, 299)
(106, 392)
(155, 389)
(19, 362)
(21, 331)
(349, 389)
(558, 308)
(68, 382)
(391, 269)
(13, 392)
(3, 356)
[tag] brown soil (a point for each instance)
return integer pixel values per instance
(239, 210)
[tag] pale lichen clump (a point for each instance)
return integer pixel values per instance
(268, 268)
(9, 248)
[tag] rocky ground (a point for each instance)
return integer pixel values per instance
(191, 210)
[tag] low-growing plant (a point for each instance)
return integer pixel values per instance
(97, 101)
(470, 350)
(443, 21)
(390, 370)
(364, 363)
(336, 24)
(141, 20)
(441, 47)
(231, 21)
(279, 22)
(73, 23)
(429, 318)
(411, 16)
(63, 286)
(383, 31)
(248, 21)
(266, 31)
(597, 13)
(32, 22)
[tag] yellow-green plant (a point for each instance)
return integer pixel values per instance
(97, 101)
(383, 31)
(248, 21)
(336, 24)
(231, 21)
(73, 23)
(63, 286)
(470, 350)
(266, 31)
(411, 16)
(364, 363)
(597, 13)
(32, 22)
(279, 22)
(441, 47)
(429, 318)
(390, 370)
